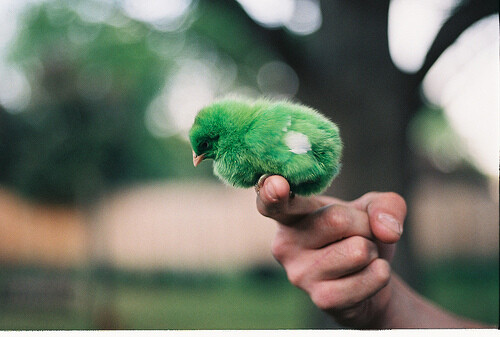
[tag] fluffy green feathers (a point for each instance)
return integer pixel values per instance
(250, 139)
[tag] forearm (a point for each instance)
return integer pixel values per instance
(407, 309)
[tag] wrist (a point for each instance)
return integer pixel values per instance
(382, 306)
(407, 309)
(388, 316)
(372, 313)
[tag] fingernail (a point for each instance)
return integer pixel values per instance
(389, 222)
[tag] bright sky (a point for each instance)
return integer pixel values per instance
(412, 26)
(302, 17)
(464, 81)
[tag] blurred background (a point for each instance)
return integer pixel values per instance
(105, 224)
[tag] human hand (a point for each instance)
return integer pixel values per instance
(338, 252)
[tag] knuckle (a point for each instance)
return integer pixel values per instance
(279, 248)
(339, 216)
(295, 276)
(361, 250)
(371, 195)
(396, 199)
(324, 298)
(382, 271)
(349, 316)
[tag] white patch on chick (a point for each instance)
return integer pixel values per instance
(297, 142)
(288, 123)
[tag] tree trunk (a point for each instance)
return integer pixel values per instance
(348, 74)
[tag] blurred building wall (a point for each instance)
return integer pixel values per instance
(211, 226)
(38, 234)
(184, 226)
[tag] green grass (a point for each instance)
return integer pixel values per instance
(467, 287)
(259, 298)
(174, 301)
(227, 307)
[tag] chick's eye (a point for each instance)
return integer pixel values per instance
(204, 145)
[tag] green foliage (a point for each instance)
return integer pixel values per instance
(84, 129)
(92, 82)
(231, 30)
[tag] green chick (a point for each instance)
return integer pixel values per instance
(251, 140)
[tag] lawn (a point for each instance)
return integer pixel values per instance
(259, 298)
(175, 301)
(229, 307)
(467, 287)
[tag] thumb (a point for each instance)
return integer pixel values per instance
(387, 212)
(273, 201)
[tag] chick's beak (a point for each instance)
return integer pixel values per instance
(197, 159)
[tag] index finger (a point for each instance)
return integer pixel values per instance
(273, 201)
(387, 212)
